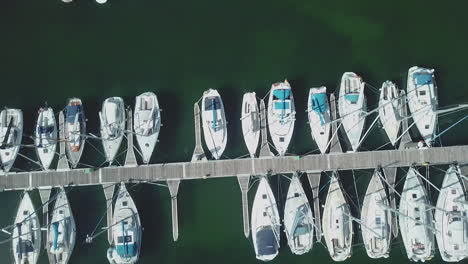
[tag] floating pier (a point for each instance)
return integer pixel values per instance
(63, 161)
(244, 186)
(109, 194)
(264, 147)
(335, 146)
(314, 181)
(130, 159)
(198, 153)
(173, 186)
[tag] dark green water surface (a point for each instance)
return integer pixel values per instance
(50, 51)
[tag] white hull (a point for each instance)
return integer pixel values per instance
(112, 119)
(214, 123)
(319, 117)
(126, 230)
(250, 118)
(352, 107)
(62, 231)
(46, 136)
(75, 130)
(281, 116)
(422, 101)
(265, 222)
(415, 218)
(9, 152)
(298, 219)
(146, 123)
(337, 223)
(376, 220)
(390, 106)
(26, 242)
(451, 218)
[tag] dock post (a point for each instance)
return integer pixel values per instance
(109, 194)
(405, 138)
(130, 159)
(390, 174)
(314, 181)
(173, 190)
(63, 161)
(198, 152)
(264, 147)
(244, 186)
(44, 193)
(335, 146)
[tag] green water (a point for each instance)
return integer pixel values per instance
(50, 51)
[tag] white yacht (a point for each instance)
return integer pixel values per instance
(422, 101)
(376, 220)
(250, 118)
(319, 117)
(26, 237)
(75, 130)
(112, 118)
(415, 218)
(352, 107)
(146, 123)
(390, 106)
(451, 218)
(11, 133)
(61, 234)
(46, 136)
(265, 222)
(337, 223)
(281, 115)
(126, 230)
(214, 123)
(298, 219)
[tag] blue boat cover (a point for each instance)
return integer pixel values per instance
(126, 248)
(353, 97)
(55, 230)
(281, 94)
(281, 105)
(319, 105)
(72, 111)
(212, 102)
(266, 242)
(422, 78)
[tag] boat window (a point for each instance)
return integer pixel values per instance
(281, 139)
(125, 203)
(264, 213)
(427, 126)
(264, 196)
(247, 108)
(25, 212)
(416, 209)
(60, 211)
(418, 218)
(296, 195)
(378, 220)
(414, 196)
(321, 133)
(120, 239)
(337, 221)
(454, 191)
(422, 92)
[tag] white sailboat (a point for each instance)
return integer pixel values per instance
(451, 218)
(416, 222)
(352, 107)
(61, 234)
(281, 115)
(265, 222)
(46, 136)
(112, 118)
(390, 106)
(376, 220)
(26, 237)
(11, 133)
(75, 130)
(298, 219)
(337, 222)
(250, 118)
(319, 117)
(146, 123)
(126, 230)
(214, 123)
(422, 101)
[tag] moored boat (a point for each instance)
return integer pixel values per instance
(214, 123)
(422, 101)
(46, 136)
(390, 106)
(250, 118)
(352, 107)
(112, 118)
(319, 117)
(11, 133)
(415, 219)
(337, 222)
(126, 230)
(281, 115)
(265, 222)
(298, 219)
(146, 123)
(75, 130)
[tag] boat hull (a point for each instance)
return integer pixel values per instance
(214, 123)
(390, 106)
(112, 118)
(250, 119)
(46, 137)
(75, 131)
(319, 117)
(146, 123)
